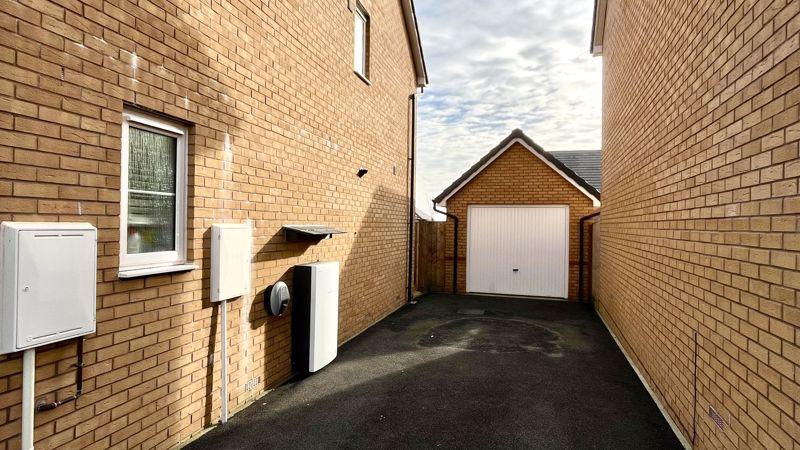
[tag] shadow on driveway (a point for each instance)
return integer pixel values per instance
(465, 372)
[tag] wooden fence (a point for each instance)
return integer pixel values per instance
(430, 239)
(429, 276)
(594, 257)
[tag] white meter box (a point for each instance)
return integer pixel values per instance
(49, 276)
(231, 245)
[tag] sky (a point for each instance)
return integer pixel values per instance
(497, 65)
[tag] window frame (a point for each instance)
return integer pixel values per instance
(164, 127)
(360, 13)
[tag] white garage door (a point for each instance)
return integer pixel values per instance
(518, 250)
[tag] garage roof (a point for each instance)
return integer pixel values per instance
(585, 164)
(588, 167)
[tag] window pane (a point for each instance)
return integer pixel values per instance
(360, 29)
(151, 223)
(151, 161)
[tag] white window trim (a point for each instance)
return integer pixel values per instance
(361, 14)
(132, 265)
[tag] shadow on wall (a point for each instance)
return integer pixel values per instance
(210, 368)
(374, 273)
(372, 284)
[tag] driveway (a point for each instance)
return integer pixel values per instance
(462, 372)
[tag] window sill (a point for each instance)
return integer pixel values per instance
(145, 271)
(363, 78)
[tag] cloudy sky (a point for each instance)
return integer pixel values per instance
(496, 65)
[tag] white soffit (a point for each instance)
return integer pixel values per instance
(598, 27)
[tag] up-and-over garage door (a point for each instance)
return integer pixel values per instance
(518, 250)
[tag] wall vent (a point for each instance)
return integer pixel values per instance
(716, 418)
(252, 384)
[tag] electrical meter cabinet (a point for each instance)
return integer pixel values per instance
(47, 289)
(315, 315)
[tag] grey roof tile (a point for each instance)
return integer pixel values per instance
(585, 163)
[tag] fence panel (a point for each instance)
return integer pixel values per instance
(430, 256)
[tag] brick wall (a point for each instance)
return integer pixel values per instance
(273, 78)
(699, 229)
(515, 177)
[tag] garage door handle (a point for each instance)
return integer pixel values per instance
(515, 270)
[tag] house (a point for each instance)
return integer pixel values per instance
(152, 121)
(517, 213)
(699, 251)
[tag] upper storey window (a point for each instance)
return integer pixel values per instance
(361, 44)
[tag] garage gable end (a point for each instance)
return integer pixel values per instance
(517, 136)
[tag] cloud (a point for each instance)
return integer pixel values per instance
(498, 65)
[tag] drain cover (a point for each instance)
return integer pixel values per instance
(471, 312)
(484, 334)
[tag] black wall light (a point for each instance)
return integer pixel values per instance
(361, 172)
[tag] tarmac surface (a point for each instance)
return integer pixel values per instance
(462, 372)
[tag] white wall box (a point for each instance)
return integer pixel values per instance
(315, 315)
(49, 277)
(231, 246)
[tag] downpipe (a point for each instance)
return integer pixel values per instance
(411, 197)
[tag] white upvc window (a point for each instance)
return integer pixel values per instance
(361, 38)
(153, 193)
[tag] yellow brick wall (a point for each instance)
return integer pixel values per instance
(699, 227)
(517, 177)
(276, 78)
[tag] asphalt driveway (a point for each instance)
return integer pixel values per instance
(462, 372)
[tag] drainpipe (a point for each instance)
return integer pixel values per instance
(580, 256)
(455, 245)
(411, 195)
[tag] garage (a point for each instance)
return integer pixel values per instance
(513, 220)
(518, 250)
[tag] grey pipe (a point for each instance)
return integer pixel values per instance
(411, 195)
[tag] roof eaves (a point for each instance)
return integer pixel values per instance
(561, 166)
(598, 28)
(415, 41)
(516, 134)
(477, 166)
